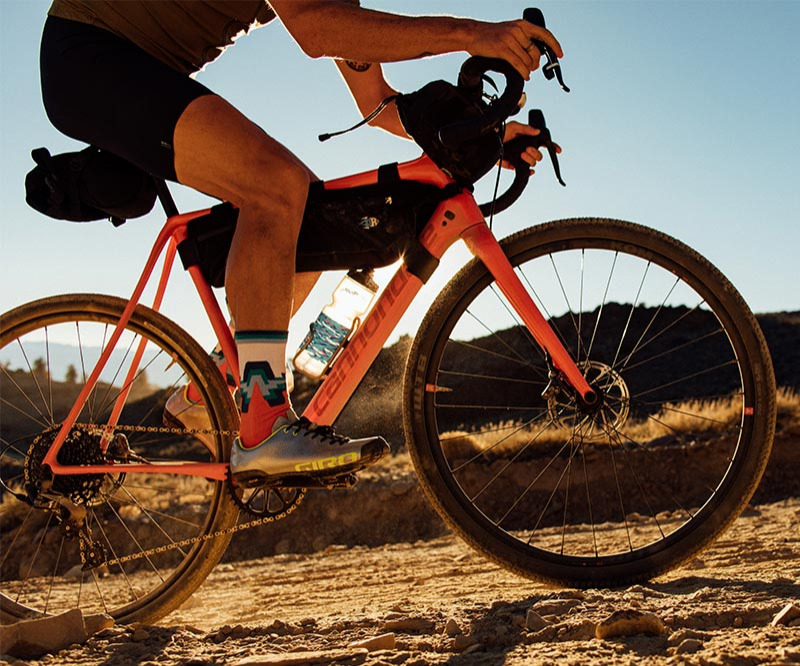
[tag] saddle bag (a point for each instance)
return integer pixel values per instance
(360, 227)
(91, 184)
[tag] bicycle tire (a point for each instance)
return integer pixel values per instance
(126, 514)
(609, 497)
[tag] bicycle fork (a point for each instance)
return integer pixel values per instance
(465, 215)
(456, 218)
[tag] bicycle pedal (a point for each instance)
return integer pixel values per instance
(258, 480)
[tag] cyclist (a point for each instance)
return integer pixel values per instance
(117, 75)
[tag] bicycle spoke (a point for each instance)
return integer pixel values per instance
(134, 539)
(520, 357)
(107, 400)
(43, 421)
(674, 349)
(473, 375)
(53, 575)
(650, 323)
(154, 512)
(507, 465)
(615, 437)
(99, 591)
(589, 503)
(483, 452)
(543, 308)
(494, 354)
(113, 552)
(34, 557)
(566, 301)
(532, 483)
(630, 315)
(49, 374)
(569, 443)
(19, 530)
(685, 378)
(602, 305)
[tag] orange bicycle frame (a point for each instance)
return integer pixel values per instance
(457, 217)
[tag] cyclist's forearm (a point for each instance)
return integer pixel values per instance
(369, 88)
(329, 28)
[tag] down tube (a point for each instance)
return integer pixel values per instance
(363, 348)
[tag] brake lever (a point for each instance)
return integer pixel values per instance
(553, 66)
(543, 139)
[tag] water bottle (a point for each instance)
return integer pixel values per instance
(351, 301)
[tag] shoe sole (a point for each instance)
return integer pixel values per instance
(370, 453)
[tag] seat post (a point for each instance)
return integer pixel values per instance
(165, 197)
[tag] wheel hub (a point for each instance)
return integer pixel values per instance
(592, 422)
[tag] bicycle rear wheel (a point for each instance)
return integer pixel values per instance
(583, 496)
(49, 527)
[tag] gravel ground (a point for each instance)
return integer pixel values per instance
(436, 601)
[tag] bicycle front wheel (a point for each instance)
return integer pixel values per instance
(59, 534)
(625, 489)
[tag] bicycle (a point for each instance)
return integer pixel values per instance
(588, 402)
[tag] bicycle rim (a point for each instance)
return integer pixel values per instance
(48, 349)
(615, 493)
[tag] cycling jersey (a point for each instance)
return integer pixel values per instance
(184, 34)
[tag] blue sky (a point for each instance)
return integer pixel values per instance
(683, 116)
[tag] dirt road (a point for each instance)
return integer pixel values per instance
(438, 602)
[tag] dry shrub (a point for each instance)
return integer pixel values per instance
(687, 418)
(788, 406)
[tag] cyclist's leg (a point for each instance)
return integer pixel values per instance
(219, 151)
(101, 89)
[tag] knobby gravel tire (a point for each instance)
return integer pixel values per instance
(127, 514)
(630, 491)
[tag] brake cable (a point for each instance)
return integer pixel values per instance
(497, 179)
(362, 122)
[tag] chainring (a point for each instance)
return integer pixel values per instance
(265, 501)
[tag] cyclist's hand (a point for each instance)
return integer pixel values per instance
(531, 155)
(511, 41)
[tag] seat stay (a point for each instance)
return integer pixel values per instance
(172, 233)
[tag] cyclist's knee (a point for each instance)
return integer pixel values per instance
(279, 191)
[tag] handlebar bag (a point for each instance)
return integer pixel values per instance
(88, 185)
(436, 105)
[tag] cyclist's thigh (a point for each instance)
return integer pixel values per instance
(104, 90)
(220, 151)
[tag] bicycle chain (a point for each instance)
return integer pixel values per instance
(157, 550)
(204, 537)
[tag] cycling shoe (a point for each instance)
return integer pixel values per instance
(301, 448)
(182, 412)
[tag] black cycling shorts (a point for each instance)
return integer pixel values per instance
(105, 91)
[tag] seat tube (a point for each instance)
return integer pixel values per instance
(482, 243)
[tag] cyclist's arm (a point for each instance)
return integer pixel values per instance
(339, 29)
(369, 89)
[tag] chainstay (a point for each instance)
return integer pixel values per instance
(191, 541)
